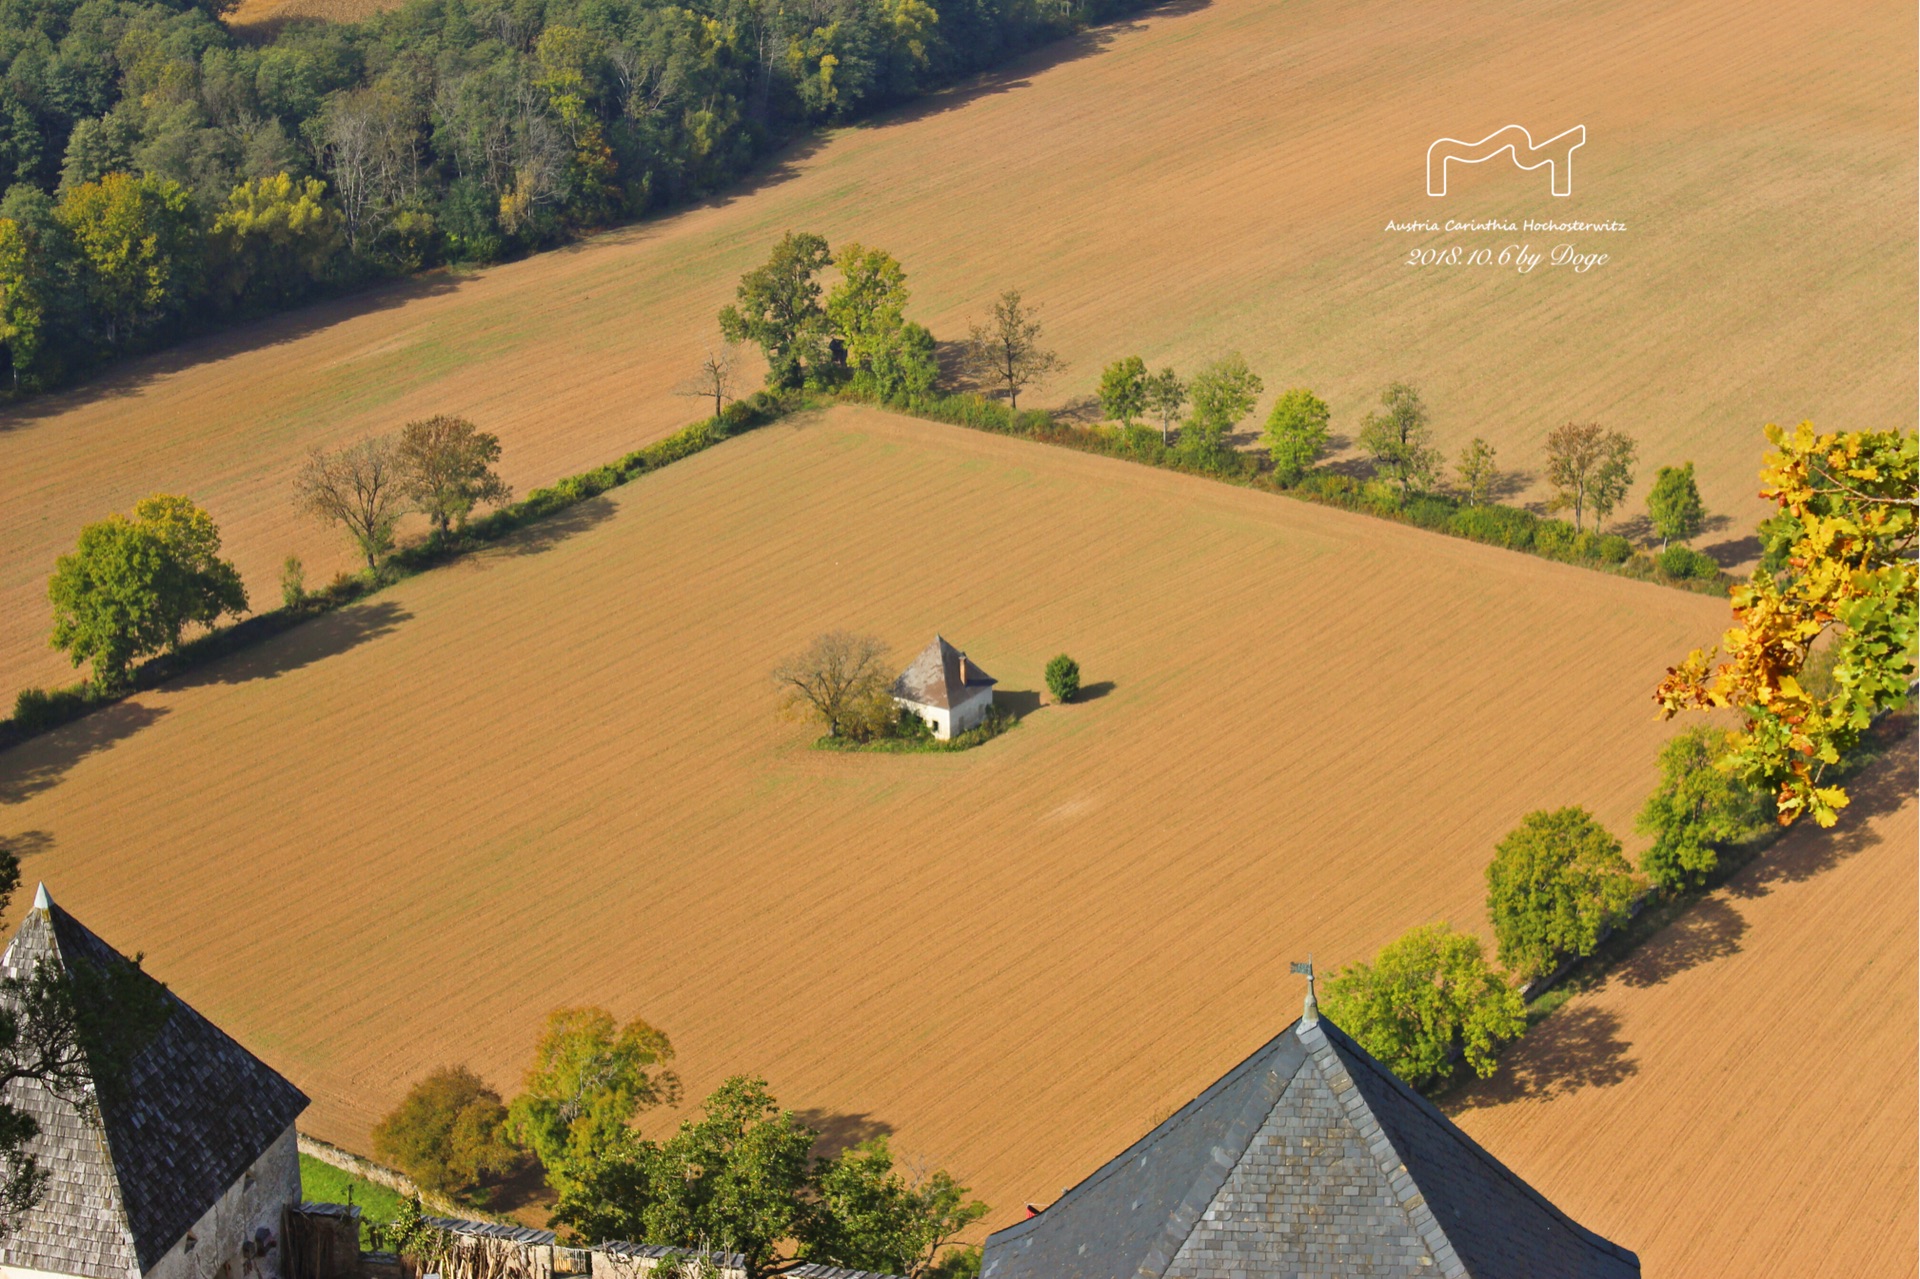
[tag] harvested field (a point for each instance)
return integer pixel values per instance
(1211, 176)
(1739, 1098)
(398, 836)
(260, 16)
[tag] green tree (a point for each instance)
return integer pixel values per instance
(1477, 472)
(1166, 395)
(1004, 350)
(865, 1215)
(275, 238)
(1222, 393)
(778, 308)
(735, 1179)
(1425, 993)
(1675, 506)
(1063, 678)
(1296, 434)
(1123, 391)
(138, 245)
(23, 307)
(1696, 812)
(1851, 581)
(1555, 884)
(447, 1132)
(1400, 441)
(133, 586)
(589, 1078)
(1590, 469)
(446, 467)
(1614, 477)
(890, 356)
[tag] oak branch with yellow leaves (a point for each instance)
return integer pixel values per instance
(1850, 578)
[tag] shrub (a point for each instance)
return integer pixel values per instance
(1555, 884)
(446, 1133)
(1422, 995)
(1555, 539)
(1435, 513)
(1496, 525)
(1685, 562)
(1615, 549)
(1696, 812)
(1063, 678)
(37, 709)
(293, 584)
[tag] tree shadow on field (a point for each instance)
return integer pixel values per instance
(1017, 702)
(525, 1187)
(544, 535)
(1807, 850)
(1734, 551)
(1710, 929)
(28, 843)
(1579, 1046)
(839, 1131)
(133, 376)
(1508, 484)
(956, 377)
(1094, 692)
(38, 764)
(315, 640)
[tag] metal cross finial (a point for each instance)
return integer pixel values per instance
(1311, 1013)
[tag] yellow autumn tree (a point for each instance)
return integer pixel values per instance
(1850, 581)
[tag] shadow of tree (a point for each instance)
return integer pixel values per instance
(839, 1131)
(524, 1187)
(1711, 929)
(28, 843)
(956, 375)
(39, 764)
(548, 533)
(1737, 550)
(312, 641)
(1579, 1046)
(1509, 484)
(1808, 851)
(1094, 692)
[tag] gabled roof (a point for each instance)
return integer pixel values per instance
(135, 1165)
(1308, 1157)
(934, 678)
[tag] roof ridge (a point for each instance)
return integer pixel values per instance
(1480, 1153)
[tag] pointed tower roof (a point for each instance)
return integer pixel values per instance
(1308, 1157)
(941, 676)
(186, 1112)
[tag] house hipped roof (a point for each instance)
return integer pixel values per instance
(934, 677)
(1441, 1194)
(137, 1164)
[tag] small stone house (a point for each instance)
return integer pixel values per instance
(178, 1168)
(1308, 1158)
(946, 689)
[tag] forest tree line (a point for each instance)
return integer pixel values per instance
(162, 173)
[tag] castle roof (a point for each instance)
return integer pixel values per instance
(941, 676)
(1307, 1157)
(169, 1113)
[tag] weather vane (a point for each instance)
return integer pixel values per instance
(1311, 1013)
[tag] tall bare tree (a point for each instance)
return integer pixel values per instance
(840, 679)
(360, 488)
(718, 376)
(370, 146)
(1005, 350)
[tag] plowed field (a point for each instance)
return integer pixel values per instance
(1739, 1098)
(398, 836)
(1211, 176)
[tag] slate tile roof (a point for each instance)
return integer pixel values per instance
(134, 1170)
(1307, 1157)
(934, 677)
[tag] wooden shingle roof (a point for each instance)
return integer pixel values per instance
(941, 676)
(135, 1164)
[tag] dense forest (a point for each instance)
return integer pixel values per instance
(163, 174)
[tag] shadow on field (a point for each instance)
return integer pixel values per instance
(1734, 551)
(325, 636)
(134, 376)
(1711, 929)
(546, 534)
(1805, 853)
(1577, 1047)
(28, 843)
(839, 1131)
(37, 765)
(1094, 692)
(1017, 702)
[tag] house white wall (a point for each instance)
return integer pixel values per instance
(222, 1237)
(946, 723)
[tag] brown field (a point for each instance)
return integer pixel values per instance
(400, 835)
(1739, 1098)
(261, 16)
(1211, 176)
